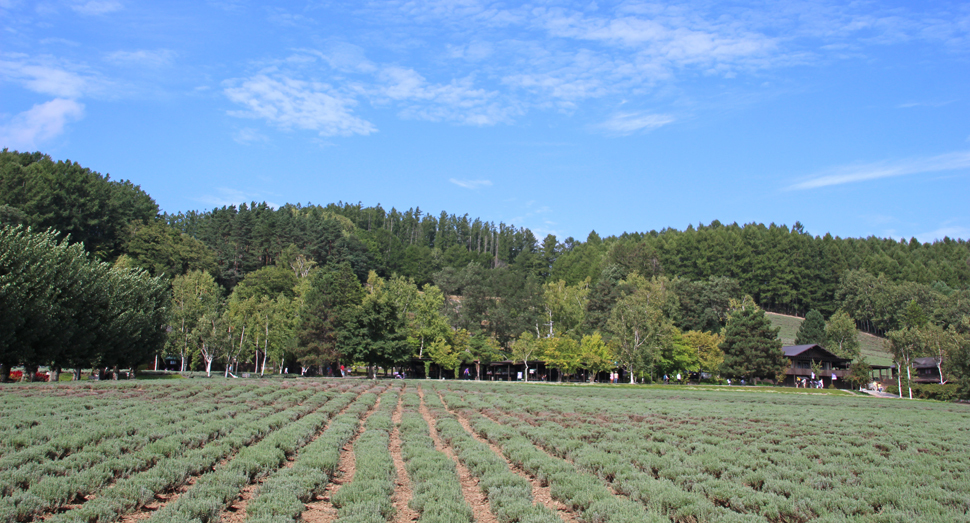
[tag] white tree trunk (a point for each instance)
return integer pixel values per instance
(265, 349)
(899, 380)
(909, 382)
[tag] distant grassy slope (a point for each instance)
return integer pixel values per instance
(871, 346)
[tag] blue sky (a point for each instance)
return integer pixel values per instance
(559, 116)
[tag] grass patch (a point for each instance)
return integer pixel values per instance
(158, 375)
(871, 347)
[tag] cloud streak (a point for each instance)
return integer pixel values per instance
(46, 76)
(142, 58)
(296, 104)
(876, 171)
(946, 231)
(40, 123)
(624, 124)
(97, 7)
(471, 184)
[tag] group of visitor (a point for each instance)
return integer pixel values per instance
(667, 379)
(805, 383)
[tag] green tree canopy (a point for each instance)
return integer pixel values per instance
(375, 335)
(269, 281)
(59, 307)
(842, 336)
(329, 311)
(751, 345)
(812, 330)
(74, 201)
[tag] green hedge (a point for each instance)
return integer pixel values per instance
(930, 391)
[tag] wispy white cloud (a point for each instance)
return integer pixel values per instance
(471, 184)
(289, 103)
(484, 62)
(945, 231)
(875, 171)
(628, 123)
(29, 129)
(283, 18)
(910, 105)
(249, 136)
(57, 40)
(48, 76)
(457, 101)
(97, 7)
(143, 58)
(678, 39)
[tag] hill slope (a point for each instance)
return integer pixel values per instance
(871, 346)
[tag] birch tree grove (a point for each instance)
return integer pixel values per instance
(905, 345)
(193, 294)
(640, 326)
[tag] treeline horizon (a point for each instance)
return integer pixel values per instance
(785, 270)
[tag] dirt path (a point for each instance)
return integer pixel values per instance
(540, 493)
(321, 510)
(402, 486)
(469, 484)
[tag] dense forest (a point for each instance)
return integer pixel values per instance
(784, 269)
(496, 282)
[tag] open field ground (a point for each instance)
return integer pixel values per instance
(449, 451)
(871, 346)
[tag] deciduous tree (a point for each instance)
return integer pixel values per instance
(709, 353)
(842, 336)
(193, 294)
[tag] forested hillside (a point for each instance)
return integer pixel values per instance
(277, 274)
(784, 270)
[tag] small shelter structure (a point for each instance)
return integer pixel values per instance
(927, 370)
(801, 358)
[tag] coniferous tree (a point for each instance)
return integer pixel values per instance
(375, 335)
(751, 346)
(812, 330)
(328, 313)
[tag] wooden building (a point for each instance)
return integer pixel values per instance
(926, 370)
(801, 359)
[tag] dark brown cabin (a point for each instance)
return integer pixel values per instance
(926, 371)
(801, 357)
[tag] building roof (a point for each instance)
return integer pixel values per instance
(924, 362)
(793, 351)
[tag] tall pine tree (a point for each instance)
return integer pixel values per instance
(812, 330)
(751, 346)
